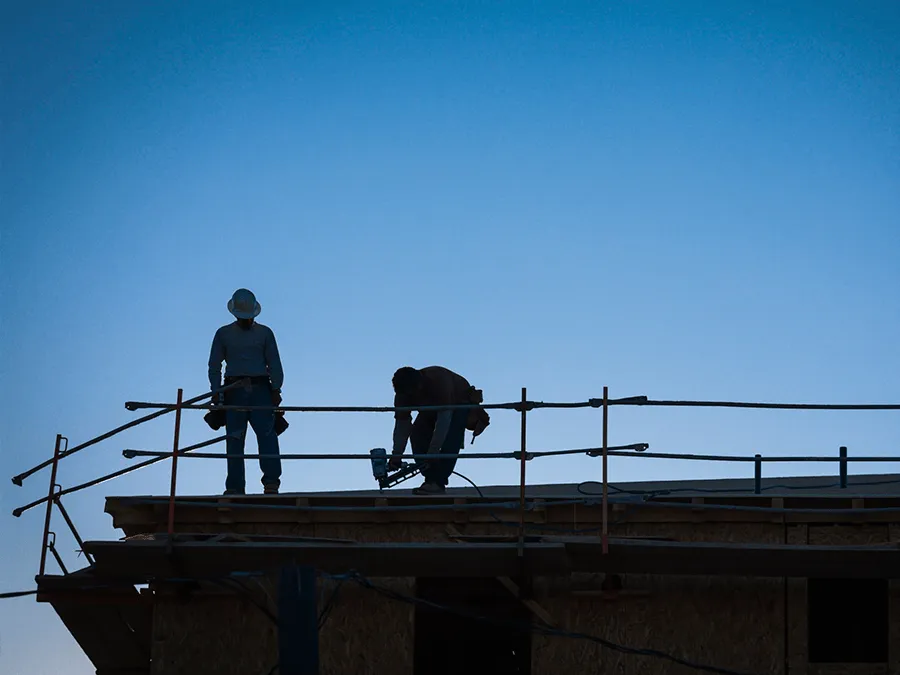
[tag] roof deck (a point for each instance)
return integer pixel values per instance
(869, 498)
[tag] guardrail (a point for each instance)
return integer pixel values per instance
(523, 407)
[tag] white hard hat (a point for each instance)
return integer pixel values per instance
(243, 304)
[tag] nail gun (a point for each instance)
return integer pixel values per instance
(381, 471)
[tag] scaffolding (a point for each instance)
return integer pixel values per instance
(114, 613)
(523, 406)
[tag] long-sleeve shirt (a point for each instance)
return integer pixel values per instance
(440, 387)
(249, 352)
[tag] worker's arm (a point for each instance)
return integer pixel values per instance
(442, 424)
(402, 426)
(441, 427)
(402, 429)
(216, 356)
(273, 360)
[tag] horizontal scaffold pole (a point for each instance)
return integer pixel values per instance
(109, 434)
(519, 406)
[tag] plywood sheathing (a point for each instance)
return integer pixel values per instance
(224, 634)
(367, 633)
(213, 635)
(725, 622)
(729, 622)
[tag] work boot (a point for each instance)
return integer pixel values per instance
(271, 488)
(231, 493)
(428, 488)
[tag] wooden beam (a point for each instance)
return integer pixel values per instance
(135, 517)
(148, 559)
(720, 559)
(303, 516)
(609, 596)
(533, 606)
(205, 559)
(697, 514)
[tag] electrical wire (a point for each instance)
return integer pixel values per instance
(98, 586)
(244, 591)
(744, 491)
(323, 615)
(17, 594)
(248, 595)
(535, 526)
(470, 482)
(651, 494)
(329, 606)
(542, 629)
(481, 494)
(764, 509)
(540, 526)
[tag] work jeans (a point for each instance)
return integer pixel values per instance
(263, 423)
(438, 470)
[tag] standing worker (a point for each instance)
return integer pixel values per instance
(250, 351)
(434, 432)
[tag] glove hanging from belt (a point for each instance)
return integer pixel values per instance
(478, 419)
(216, 418)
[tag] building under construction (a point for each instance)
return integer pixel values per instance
(756, 575)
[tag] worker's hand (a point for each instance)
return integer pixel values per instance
(395, 463)
(276, 398)
(217, 399)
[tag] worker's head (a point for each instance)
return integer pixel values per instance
(407, 381)
(244, 307)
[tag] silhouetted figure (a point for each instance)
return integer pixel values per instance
(249, 351)
(434, 432)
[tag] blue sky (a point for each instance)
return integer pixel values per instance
(680, 200)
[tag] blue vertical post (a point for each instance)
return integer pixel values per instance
(757, 474)
(298, 624)
(843, 466)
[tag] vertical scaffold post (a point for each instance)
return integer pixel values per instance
(843, 460)
(605, 477)
(45, 541)
(298, 623)
(522, 478)
(171, 529)
(757, 474)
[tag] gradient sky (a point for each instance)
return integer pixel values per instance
(680, 200)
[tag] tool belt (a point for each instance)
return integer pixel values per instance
(256, 379)
(216, 418)
(478, 419)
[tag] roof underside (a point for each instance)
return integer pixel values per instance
(149, 559)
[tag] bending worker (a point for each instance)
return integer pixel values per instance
(434, 432)
(250, 351)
